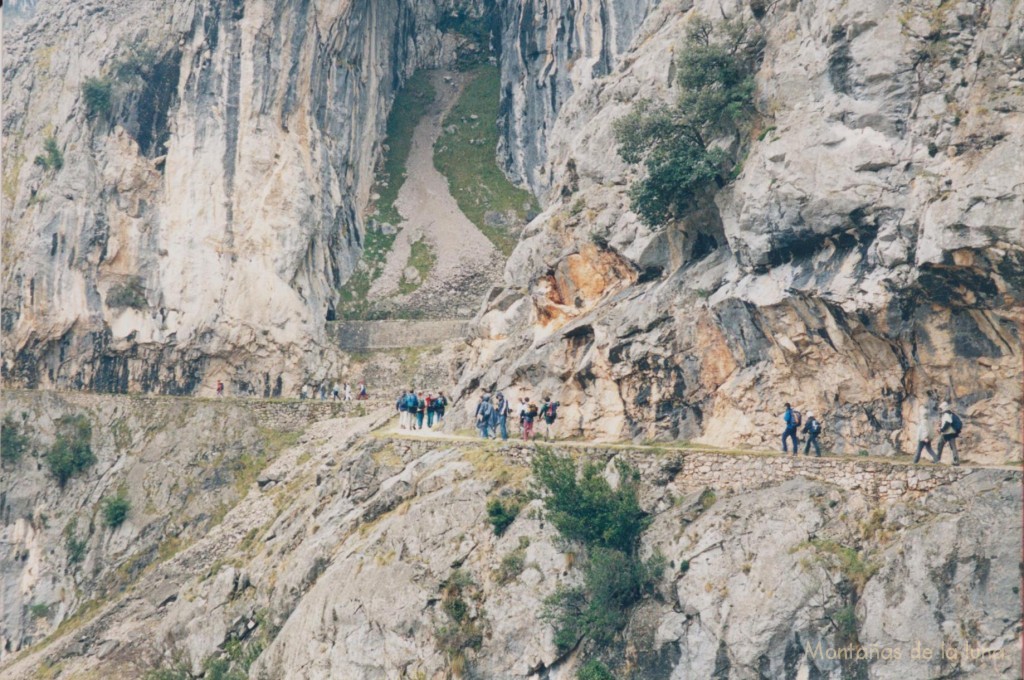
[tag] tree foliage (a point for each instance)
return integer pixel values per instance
(115, 510)
(13, 443)
(72, 452)
(586, 508)
(677, 143)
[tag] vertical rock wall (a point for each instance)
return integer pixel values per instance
(200, 223)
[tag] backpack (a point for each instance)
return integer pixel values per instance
(957, 424)
(797, 418)
(485, 410)
(552, 410)
(410, 402)
(401, 404)
(531, 412)
(814, 426)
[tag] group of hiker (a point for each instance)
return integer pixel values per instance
(416, 409)
(950, 426)
(338, 392)
(492, 416)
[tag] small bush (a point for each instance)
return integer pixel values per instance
(75, 546)
(52, 159)
(501, 513)
(72, 452)
(708, 497)
(128, 294)
(460, 631)
(115, 510)
(513, 563)
(594, 670)
(98, 96)
(39, 611)
(613, 583)
(13, 444)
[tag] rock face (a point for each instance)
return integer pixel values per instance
(867, 259)
(335, 558)
(205, 209)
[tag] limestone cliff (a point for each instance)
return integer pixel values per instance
(295, 550)
(201, 169)
(867, 257)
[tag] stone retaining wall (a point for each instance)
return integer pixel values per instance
(693, 470)
(363, 336)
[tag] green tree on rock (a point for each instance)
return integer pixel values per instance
(683, 145)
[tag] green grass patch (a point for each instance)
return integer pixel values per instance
(353, 298)
(410, 104)
(465, 154)
(421, 258)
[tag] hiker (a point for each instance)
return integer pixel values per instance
(924, 434)
(304, 392)
(792, 420)
(429, 408)
(362, 391)
(950, 426)
(220, 388)
(549, 411)
(403, 411)
(522, 414)
(336, 392)
(500, 418)
(323, 391)
(421, 409)
(484, 411)
(812, 428)
(348, 392)
(439, 404)
(528, 419)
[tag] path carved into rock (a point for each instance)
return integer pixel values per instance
(430, 212)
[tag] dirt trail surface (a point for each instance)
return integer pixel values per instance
(466, 259)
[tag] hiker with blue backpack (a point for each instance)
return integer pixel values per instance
(792, 420)
(484, 412)
(950, 427)
(812, 428)
(439, 404)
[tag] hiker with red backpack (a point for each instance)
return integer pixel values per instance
(549, 411)
(793, 421)
(950, 427)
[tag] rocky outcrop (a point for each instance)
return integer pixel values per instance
(867, 259)
(202, 204)
(338, 557)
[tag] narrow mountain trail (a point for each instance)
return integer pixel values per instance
(431, 213)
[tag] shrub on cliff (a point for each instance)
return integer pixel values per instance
(52, 159)
(98, 96)
(115, 510)
(13, 444)
(676, 143)
(608, 522)
(128, 294)
(72, 452)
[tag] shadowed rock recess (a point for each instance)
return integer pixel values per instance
(188, 187)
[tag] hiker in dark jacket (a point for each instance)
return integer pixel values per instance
(549, 412)
(812, 428)
(499, 420)
(420, 410)
(949, 429)
(789, 417)
(528, 419)
(440, 403)
(484, 410)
